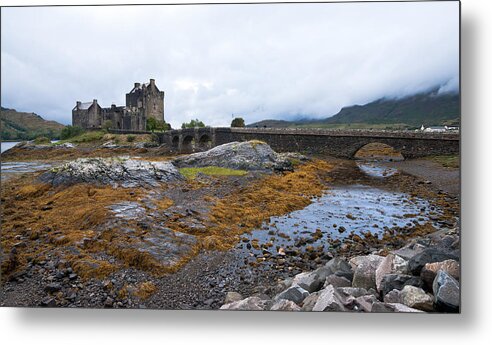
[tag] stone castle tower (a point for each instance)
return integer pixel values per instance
(142, 102)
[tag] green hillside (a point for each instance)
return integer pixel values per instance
(422, 109)
(17, 125)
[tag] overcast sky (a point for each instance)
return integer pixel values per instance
(254, 61)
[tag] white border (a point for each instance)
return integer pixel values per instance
(39, 326)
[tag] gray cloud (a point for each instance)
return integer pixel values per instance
(257, 61)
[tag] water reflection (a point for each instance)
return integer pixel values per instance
(375, 168)
(343, 210)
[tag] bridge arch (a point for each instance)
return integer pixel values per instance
(188, 144)
(205, 141)
(376, 150)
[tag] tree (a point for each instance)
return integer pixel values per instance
(238, 122)
(193, 124)
(153, 124)
(70, 131)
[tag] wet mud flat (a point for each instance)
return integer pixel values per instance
(363, 207)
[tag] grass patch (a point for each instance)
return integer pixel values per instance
(447, 161)
(86, 137)
(190, 173)
(42, 140)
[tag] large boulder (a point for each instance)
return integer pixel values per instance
(232, 296)
(429, 271)
(248, 155)
(390, 264)
(285, 305)
(364, 303)
(295, 293)
(250, 303)
(116, 171)
(365, 271)
(446, 292)
(394, 296)
(428, 255)
(329, 300)
(337, 281)
(310, 301)
(397, 281)
(415, 297)
(310, 281)
(335, 266)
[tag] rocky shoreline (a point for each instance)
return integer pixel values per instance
(422, 276)
(155, 239)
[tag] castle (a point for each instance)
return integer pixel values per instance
(142, 102)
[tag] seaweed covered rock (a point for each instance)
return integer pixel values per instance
(119, 171)
(249, 155)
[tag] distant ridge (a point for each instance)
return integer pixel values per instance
(430, 108)
(17, 125)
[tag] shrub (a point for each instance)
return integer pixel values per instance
(70, 131)
(130, 138)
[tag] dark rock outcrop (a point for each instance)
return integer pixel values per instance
(249, 155)
(118, 171)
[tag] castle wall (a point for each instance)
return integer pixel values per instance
(143, 102)
(88, 118)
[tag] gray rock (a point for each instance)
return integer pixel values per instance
(329, 300)
(428, 255)
(409, 251)
(285, 305)
(283, 285)
(394, 296)
(49, 302)
(232, 296)
(380, 307)
(415, 297)
(446, 292)
(337, 281)
(310, 281)
(248, 155)
(116, 171)
(250, 303)
(365, 271)
(295, 293)
(364, 303)
(52, 288)
(337, 266)
(429, 271)
(390, 264)
(352, 291)
(310, 301)
(396, 281)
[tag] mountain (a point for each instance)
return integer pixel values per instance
(425, 108)
(17, 125)
(429, 108)
(271, 123)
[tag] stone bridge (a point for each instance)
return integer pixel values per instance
(337, 143)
